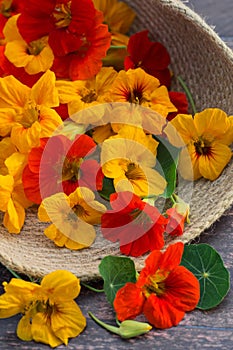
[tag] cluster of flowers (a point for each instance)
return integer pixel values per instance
(84, 110)
(65, 77)
(163, 292)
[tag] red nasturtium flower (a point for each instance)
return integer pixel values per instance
(138, 226)
(153, 57)
(76, 34)
(179, 100)
(59, 165)
(163, 292)
(177, 216)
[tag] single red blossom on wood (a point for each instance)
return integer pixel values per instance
(60, 165)
(151, 56)
(179, 99)
(138, 226)
(163, 292)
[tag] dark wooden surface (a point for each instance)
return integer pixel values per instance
(198, 330)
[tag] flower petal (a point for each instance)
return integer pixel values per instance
(212, 165)
(67, 321)
(128, 302)
(61, 285)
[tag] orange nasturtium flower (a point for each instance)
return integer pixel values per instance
(72, 218)
(207, 137)
(128, 158)
(136, 86)
(163, 292)
(26, 115)
(50, 314)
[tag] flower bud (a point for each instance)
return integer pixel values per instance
(130, 328)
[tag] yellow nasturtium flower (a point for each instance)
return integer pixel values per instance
(72, 218)
(118, 15)
(136, 86)
(26, 114)
(13, 200)
(50, 314)
(207, 137)
(128, 158)
(82, 94)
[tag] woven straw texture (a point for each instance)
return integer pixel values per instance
(206, 64)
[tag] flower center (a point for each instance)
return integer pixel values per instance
(79, 210)
(202, 147)
(71, 169)
(134, 172)
(35, 47)
(30, 115)
(91, 96)
(62, 15)
(6, 8)
(156, 284)
(140, 218)
(135, 96)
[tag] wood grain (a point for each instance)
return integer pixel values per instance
(198, 330)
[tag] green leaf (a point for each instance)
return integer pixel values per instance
(166, 164)
(108, 188)
(207, 265)
(116, 272)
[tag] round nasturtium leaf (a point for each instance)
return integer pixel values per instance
(207, 265)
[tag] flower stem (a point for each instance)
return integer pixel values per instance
(104, 325)
(115, 47)
(13, 273)
(188, 93)
(92, 288)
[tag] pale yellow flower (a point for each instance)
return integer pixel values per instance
(72, 218)
(129, 158)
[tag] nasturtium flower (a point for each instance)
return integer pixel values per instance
(128, 158)
(177, 216)
(138, 226)
(151, 56)
(86, 61)
(164, 291)
(6, 149)
(179, 99)
(26, 114)
(76, 34)
(13, 203)
(49, 313)
(35, 57)
(207, 137)
(8, 8)
(60, 164)
(118, 15)
(136, 86)
(79, 95)
(72, 218)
